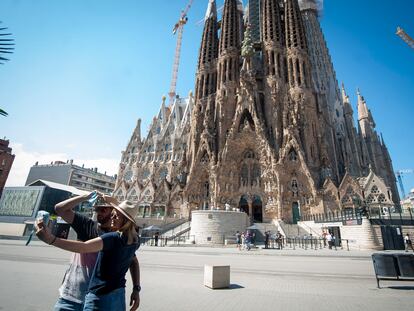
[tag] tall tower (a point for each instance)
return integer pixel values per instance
(207, 70)
(206, 81)
(354, 163)
(254, 19)
(275, 68)
(303, 110)
(375, 153)
(228, 68)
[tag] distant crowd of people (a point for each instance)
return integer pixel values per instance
(247, 240)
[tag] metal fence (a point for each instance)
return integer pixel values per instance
(393, 214)
(163, 241)
(314, 243)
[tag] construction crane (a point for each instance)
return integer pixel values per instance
(403, 35)
(399, 175)
(178, 29)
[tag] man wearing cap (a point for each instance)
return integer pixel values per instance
(76, 281)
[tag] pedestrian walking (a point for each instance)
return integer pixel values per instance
(75, 283)
(243, 241)
(324, 235)
(329, 240)
(156, 237)
(408, 243)
(238, 240)
(116, 249)
(253, 239)
(267, 236)
(334, 241)
(247, 240)
(279, 240)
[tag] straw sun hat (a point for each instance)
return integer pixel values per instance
(127, 208)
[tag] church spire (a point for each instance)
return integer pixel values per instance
(345, 97)
(271, 23)
(273, 41)
(230, 27)
(298, 58)
(211, 10)
(295, 31)
(229, 46)
(362, 107)
(206, 74)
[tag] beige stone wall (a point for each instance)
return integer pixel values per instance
(360, 237)
(210, 227)
(12, 229)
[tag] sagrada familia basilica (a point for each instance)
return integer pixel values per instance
(268, 129)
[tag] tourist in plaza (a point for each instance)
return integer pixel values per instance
(238, 240)
(333, 241)
(253, 239)
(324, 235)
(329, 239)
(279, 240)
(247, 240)
(77, 278)
(156, 237)
(267, 236)
(408, 243)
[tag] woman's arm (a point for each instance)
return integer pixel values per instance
(65, 208)
(91, 246)
(135, 276)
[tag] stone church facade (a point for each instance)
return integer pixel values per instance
(267, 130)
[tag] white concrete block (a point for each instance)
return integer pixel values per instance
(216, 276)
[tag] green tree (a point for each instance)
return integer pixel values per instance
(6, 47)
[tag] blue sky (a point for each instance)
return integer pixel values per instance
(84, 71)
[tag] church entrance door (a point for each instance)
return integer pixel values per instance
(244, 205)
(257, 208)
(295, 212)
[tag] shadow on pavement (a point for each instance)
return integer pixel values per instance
(232, 286)
(402, 287)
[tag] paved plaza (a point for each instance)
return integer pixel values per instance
(172, 279)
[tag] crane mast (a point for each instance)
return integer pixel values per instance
(399, 175)
(403, 35)
(178, 29)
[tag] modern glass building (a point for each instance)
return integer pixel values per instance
(19, 205)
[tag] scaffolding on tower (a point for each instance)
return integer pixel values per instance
(178, 29)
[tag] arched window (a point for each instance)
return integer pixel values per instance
(249, 154)
(204, 159)
(255, 180)
(206, 189)
(145, 174)
(293, 156)
(163, 174)
(244, 175)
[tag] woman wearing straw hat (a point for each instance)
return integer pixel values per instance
(116, 251)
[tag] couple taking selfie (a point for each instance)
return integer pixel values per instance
(103, 253)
